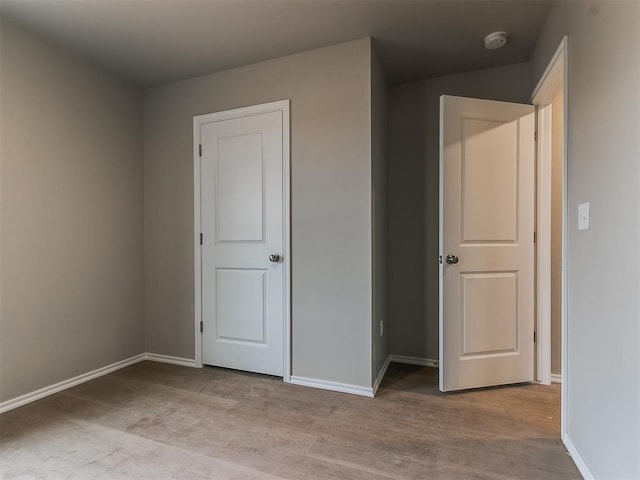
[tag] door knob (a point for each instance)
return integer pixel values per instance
(451, 259)
(274, 257)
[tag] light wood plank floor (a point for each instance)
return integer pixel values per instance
(157, 421)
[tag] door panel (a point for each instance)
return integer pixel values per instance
(489, 313)
(242, 224)
(487, 222)
(236, 319)
(489, 208)
(240, 186)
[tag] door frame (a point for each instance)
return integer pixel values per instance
(543, 245)
(199, 120)
(554, 77)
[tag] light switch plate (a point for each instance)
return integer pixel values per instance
(583, 216)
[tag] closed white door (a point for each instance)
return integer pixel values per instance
(487, 180)
(241, 165)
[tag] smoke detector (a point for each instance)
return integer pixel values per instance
(495, 40)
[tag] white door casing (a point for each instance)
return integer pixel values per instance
(543, 246)
(487, 206)
(242, 203)
(552, 83)
(555, 80)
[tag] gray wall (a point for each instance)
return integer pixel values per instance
(379, 202)
(71, 216)
(330, 97)
(413, 196)
(604, 169)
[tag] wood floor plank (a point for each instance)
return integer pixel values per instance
(161, 421)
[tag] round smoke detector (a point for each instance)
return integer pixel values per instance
(495, 40)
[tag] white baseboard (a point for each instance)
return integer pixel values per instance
(424, 362)
(383, 370)
(85, 377)
(577, 458)
(156, 357)
(333, 386)
(71, 382)
(188, 362)
(556, 378)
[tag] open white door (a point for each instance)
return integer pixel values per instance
(487, 206)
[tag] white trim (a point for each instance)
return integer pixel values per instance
(70, 382)
(381, 374)
(283, 106)
(197, 256)
(441, 248)
(286, 200)
(424, 362)
(157, 357)
(333, 386)
(564, 391)
(556, 378)
(577, 458)
(550, 79)
(543, 245)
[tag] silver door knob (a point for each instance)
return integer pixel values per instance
(451, 259)
(274, 257)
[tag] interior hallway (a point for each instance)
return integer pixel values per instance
(159, 421)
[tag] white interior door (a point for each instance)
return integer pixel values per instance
(243, 226)
(487, 180)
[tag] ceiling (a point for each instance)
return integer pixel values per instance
(150, 42)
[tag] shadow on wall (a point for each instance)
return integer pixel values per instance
(414, 115)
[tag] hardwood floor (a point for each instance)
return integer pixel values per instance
(158, 421)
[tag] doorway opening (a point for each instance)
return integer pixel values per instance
(474, 295)
(551, 98)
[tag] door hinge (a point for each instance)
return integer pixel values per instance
(200, 239)
(535, 136)
(534, 237)
(201, 329)
(200, 149)
(534, 337)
